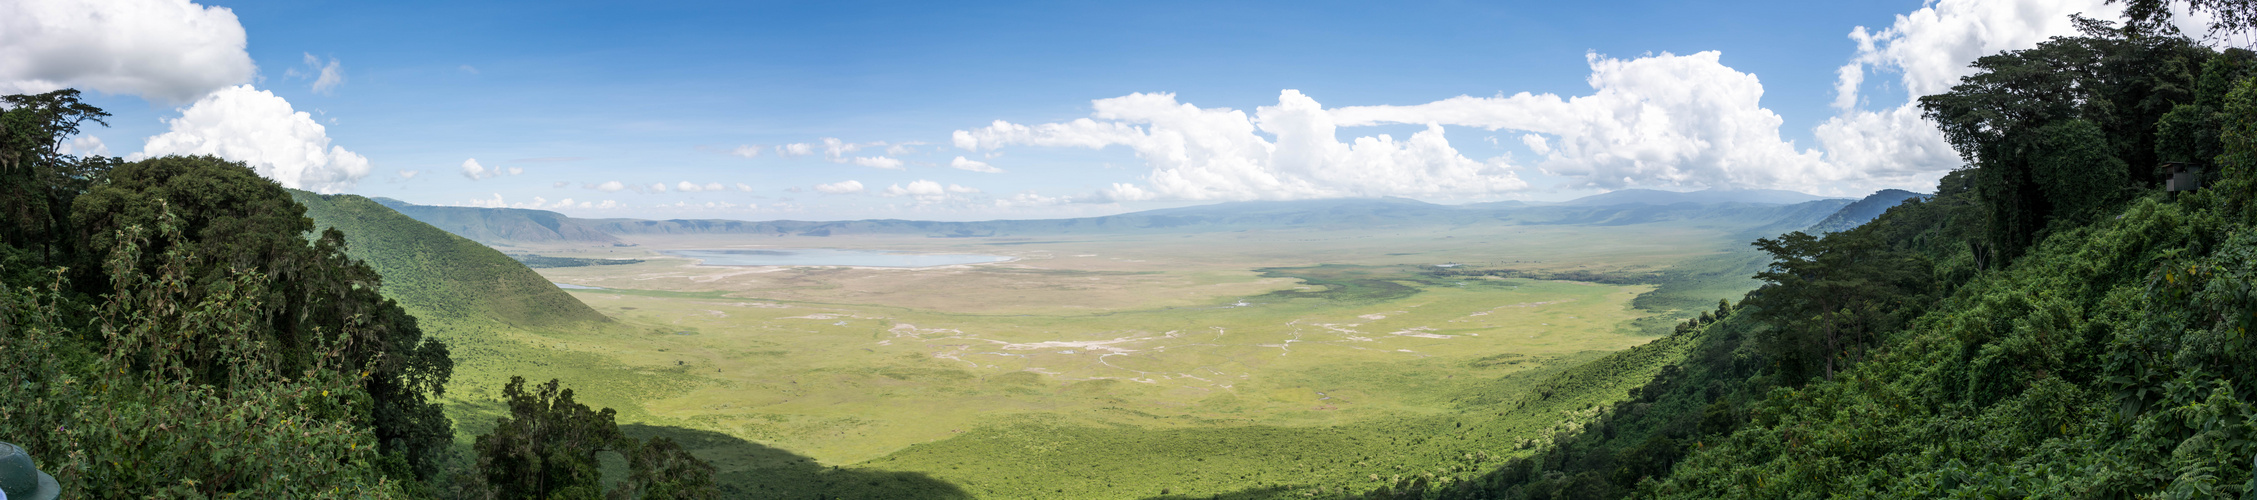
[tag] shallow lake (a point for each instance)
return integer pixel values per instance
(831, 257)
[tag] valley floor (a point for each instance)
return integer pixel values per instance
(1256, 363)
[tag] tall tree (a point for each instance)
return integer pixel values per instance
(37, 181)
(1828, 298)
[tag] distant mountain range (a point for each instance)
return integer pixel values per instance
(1865, 210)
(1757, 213)
(1657, 197)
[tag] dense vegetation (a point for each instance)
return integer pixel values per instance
(2049, 324)
(176, 327)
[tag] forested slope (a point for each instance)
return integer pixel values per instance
(2050, 324)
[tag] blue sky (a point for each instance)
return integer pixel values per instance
(575, 95)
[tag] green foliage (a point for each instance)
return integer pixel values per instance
(133, 407)
(233, 221)
(1830, 299)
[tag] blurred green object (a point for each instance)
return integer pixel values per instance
(19, 480)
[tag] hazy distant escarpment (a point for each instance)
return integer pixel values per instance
(2050, 324)
(432, 272)
(1764, 213)
(502, 225)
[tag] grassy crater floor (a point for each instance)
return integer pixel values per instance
(1087, 369)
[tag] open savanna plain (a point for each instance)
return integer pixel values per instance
(1259, 363)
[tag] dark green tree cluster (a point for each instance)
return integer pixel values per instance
(174, 327)
(2058, 132)
(549, 446)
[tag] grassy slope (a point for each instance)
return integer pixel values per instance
(435, 274)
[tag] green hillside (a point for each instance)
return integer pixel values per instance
(437, 275)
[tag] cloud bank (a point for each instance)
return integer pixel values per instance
(1223, 154)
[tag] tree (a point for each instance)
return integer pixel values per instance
(548, 448)
(37, 181)
(1827, 298)
(662, 469)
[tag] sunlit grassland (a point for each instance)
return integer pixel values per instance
(1118, 366)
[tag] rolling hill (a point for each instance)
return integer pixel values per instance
(437, 275)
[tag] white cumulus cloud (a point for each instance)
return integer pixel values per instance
(1286, 151)
(878, 162)
(746, 151)
(836, 150)
(84, 145)
(923, 191)
(607, 186)
(840, 187)
(962, 163)
(253, 126)
(475, 171)
(690, 187)
(164, 50)
(408, 174)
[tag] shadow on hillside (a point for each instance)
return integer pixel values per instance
(1250, 494)
(746, 469)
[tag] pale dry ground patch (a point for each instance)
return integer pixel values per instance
(847, 364)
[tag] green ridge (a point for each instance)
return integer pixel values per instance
(437, 275)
